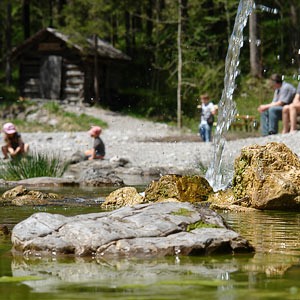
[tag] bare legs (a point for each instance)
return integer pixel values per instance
(9, 151)
(286, 118)
(294, 110)
(289, 117)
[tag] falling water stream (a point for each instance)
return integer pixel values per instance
(227, 106)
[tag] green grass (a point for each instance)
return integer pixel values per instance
(36, 165)
(65, 121)
(52, 107)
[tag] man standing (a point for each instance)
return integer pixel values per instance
(271, 113)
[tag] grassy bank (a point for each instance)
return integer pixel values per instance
(30, 116)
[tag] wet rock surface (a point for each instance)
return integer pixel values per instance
(145, 230)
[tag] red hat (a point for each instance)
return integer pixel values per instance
(95, 130)
(9, 128)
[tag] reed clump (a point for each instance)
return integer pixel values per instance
(35, 165)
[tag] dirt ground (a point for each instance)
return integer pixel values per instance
(230, 136)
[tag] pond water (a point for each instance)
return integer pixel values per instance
(273, 272)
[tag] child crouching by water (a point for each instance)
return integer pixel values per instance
(98, 150)
(14, 145)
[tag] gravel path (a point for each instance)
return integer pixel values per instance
(140, 142)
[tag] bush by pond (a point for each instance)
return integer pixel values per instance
(36, 165)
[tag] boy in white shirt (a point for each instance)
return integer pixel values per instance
(208, 111)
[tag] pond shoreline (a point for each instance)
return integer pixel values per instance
(151, 149)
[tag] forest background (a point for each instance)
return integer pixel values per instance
(178, 48)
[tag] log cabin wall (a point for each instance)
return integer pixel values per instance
(76, 83)
(52, 67)
(73, 77)
(30, 77)
(50, 70)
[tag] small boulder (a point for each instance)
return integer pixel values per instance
(99, 173)
(267, 177)
(120, 161)
(184, 188)
(77, 157)
(126, 196)
(20, 195)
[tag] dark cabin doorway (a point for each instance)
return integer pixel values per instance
(50, 77)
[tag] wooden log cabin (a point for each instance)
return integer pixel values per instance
(51, 66)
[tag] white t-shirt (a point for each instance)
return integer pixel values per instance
(206, 111)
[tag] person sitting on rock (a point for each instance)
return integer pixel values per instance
(271, 113)
(98, 150)
(14, 145)
(289, 114)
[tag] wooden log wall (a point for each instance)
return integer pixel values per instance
(72, 82)
(30, 78)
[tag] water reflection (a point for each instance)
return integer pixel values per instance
(274, 268)
(270, 232)
(221, 277)
(123, 273)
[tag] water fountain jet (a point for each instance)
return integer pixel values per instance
(227, 106)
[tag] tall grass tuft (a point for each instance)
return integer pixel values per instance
(36, 165)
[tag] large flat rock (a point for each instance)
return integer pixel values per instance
(146, 230)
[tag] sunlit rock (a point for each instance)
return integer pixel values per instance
(225, 200)
(267, 177)
(20, 195)
(126, 196)
(181, 187)
(140, 231)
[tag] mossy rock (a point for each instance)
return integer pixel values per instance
(125, 196)
(268, 177)
(184, 188)
(20, 196)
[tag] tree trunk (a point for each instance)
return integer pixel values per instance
(228, 23)
(26, 18)
(133, 30)
(60, 6)
(127, 32)
(295, 30)
(50, 13)
(255, 61)
(96, 71)
(8, 34)
(149, 22)
(114, 29)
(179, 67)
(184, 15)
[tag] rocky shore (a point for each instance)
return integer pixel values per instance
(145, 150)
(149, 148)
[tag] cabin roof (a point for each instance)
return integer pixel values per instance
(105, 50)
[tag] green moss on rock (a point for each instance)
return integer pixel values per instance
(184, 188)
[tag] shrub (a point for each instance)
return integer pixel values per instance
(36, 165)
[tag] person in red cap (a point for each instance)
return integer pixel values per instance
(98, 150)
(14, 145)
